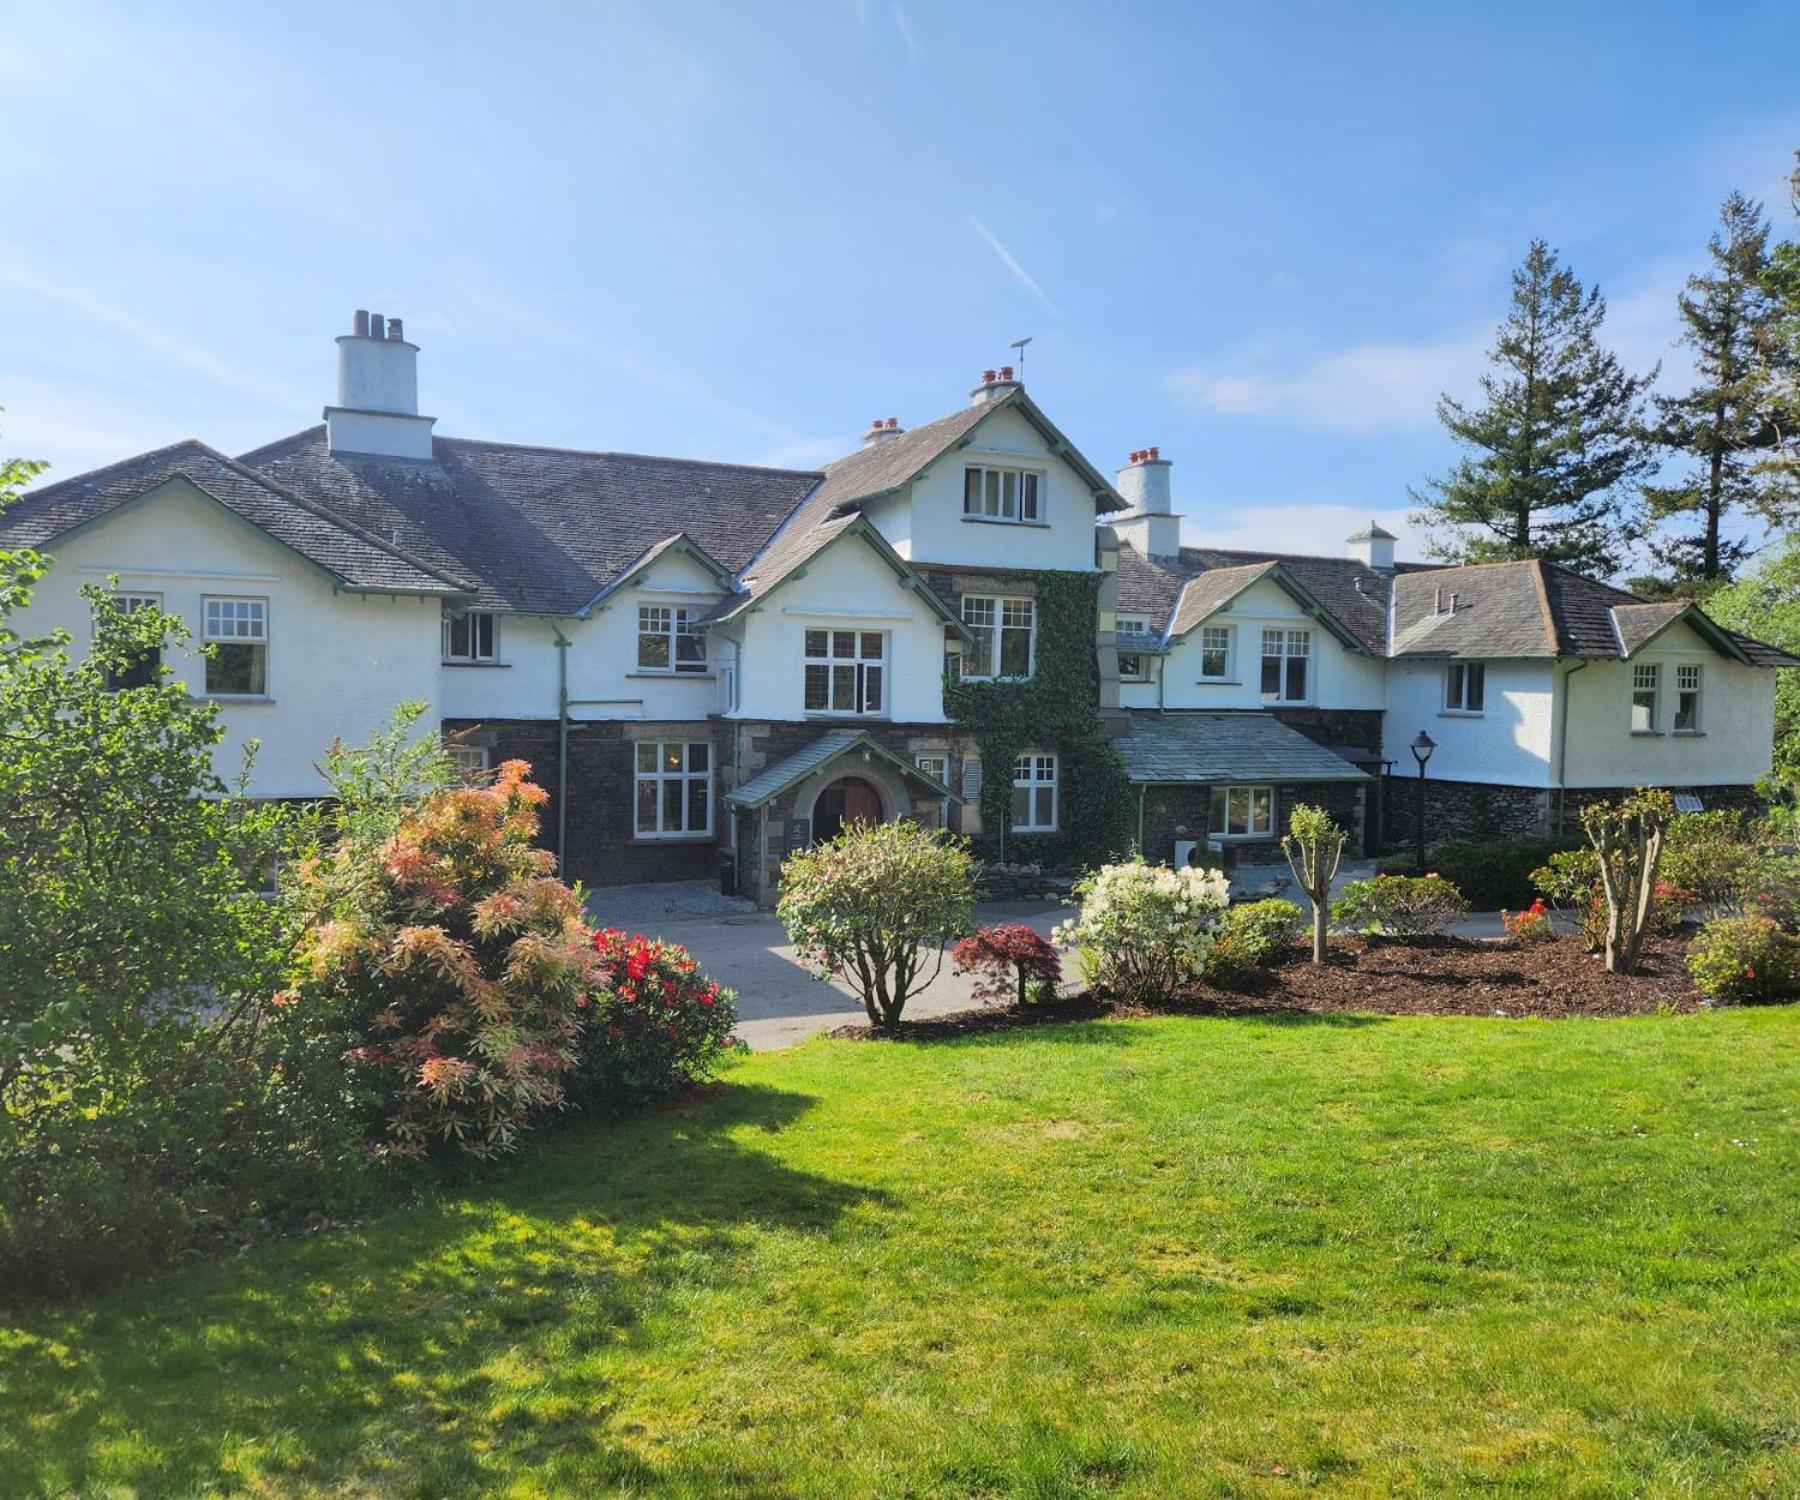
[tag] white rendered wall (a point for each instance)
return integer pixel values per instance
(337, 663)
(847, 587)
(936, 531)
(1509, 743)
(1737, 721)
(1339, 677)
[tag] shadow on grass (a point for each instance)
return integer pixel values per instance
(415, 1353)
(1074, 1020)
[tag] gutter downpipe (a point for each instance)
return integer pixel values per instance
(562, 746)
(1562, 746)
(1143, 788)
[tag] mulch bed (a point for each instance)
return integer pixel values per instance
(1442, 976)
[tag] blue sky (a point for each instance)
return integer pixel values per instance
(1262, 238)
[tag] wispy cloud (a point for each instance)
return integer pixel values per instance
(1249, 527)
(1011, 262)
(903, 25)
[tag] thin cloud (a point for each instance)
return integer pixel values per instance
(1011, 262)
(903, 25)
(1321, 523)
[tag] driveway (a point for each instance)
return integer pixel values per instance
(779, 1002)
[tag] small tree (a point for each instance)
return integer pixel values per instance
(870, 906)
(1628, 838)
(1009, 957)
(1314, 845)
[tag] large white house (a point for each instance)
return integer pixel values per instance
(701, 658)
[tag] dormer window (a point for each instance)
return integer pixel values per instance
(991, 494)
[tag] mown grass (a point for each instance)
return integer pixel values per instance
(1172, 1257)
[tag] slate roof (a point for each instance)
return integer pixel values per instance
(350, 552)
(772, 781)
(1243, 746)
(540, 530)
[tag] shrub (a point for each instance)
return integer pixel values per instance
(1399, 905)
(1313, 846)
(1146, 927)
(662, 1029)
(1012, 961)
(868, 904)
(455, 963)
(1570, 883)
(1250, 937)
(1742, 959)
(1532, 925)
(1709, 855)
(1495, 873)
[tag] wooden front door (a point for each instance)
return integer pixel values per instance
(846, 801)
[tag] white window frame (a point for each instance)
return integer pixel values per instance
(1646, 680)
(1217, 638)
(672, 624)
(1465, 689)
(1008, 495)
(1290, 644)
(129, 601)
(834, 661)
(1690, 680)
(213, 634)
(474, 623)
(1034, 772)
(995, 615)
(467, 760)
(1250, 794)
(1134, 625)
(661, 775)
(939, 766)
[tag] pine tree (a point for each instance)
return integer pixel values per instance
(1725, 314)
(1778, 378)
(1558, 435)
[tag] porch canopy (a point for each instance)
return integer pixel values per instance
(1203, 748)
(855, 745)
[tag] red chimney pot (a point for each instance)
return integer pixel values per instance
(987, 377)
(1006, 372)
(893, 423)
(1153, 454)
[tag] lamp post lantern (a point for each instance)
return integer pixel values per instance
(1421, 747)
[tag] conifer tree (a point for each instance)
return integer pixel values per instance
(1555, 441)
(1720, 425)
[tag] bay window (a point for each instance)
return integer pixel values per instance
(673, 785)
(1286, 657)
(1034, 794)
(237, 631)
(991, 494)
(845, 672)
(1242, 812)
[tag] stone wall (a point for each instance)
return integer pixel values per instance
(1172, 813)
(1475, 811)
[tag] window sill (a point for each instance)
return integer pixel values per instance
(1239, 838)
(664, 676)
(230, 698)
(1026, 678)
(1002, 521)
(847, 718)
(1218, 682)
(1287, 703)
(673, 838)
(484, 665)
(1015, 828)
(1462, 713)
(1689, 734)
(1646, 734)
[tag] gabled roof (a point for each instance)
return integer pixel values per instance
(349, 553)
(540, 530)
(681, 544)
(771, 782)
(1183, 748)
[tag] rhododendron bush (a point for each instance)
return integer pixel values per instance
(666, 1030)
(458, 964)
(1144, 930)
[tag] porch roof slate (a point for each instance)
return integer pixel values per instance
(1245, 745)
(770, 782)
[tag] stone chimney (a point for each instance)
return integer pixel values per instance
(882, 430)
(993, 385)
(377, 410)
(1373, 548)
(1150, 526)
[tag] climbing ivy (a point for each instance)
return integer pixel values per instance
(1056, 709)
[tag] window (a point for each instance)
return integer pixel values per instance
(667, 640)
(1465, 687)
(1645, 680)
(1134, 666)
(1242, 812)
(143, 669)
(469, 636)
(1005, 633)
(938, 767)
(844, 671)
(1034, 794)
(1687, 698)
(238, 632)
(1285, 656)
(467, 760)
(674, 789)
(1001, 494)
(1215, 653)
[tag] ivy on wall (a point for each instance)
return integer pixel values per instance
(1056, 709)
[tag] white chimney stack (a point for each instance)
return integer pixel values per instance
(993, 385)
(377, 410)
(882, 430)
(1373, 548)
(1149, 526)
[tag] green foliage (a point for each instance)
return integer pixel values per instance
(1712, 858)
(1742, 960)
(1765, 603)
(1145, 929)
(1492, 873)
(1314, 845)
(1558, 435)
(1399, 905)
(1570, 881)
(868, 905)
(1251, 936)
(1628, 837)
(1053, 711)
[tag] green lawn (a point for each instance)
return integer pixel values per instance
(1160, 1258)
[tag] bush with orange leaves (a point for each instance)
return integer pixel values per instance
(457, 965)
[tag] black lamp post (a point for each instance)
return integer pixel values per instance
(1421, 747)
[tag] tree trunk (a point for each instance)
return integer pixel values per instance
(1320, 923)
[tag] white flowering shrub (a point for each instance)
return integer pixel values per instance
(1144, 930)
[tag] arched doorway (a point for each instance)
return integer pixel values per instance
(847, 800)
